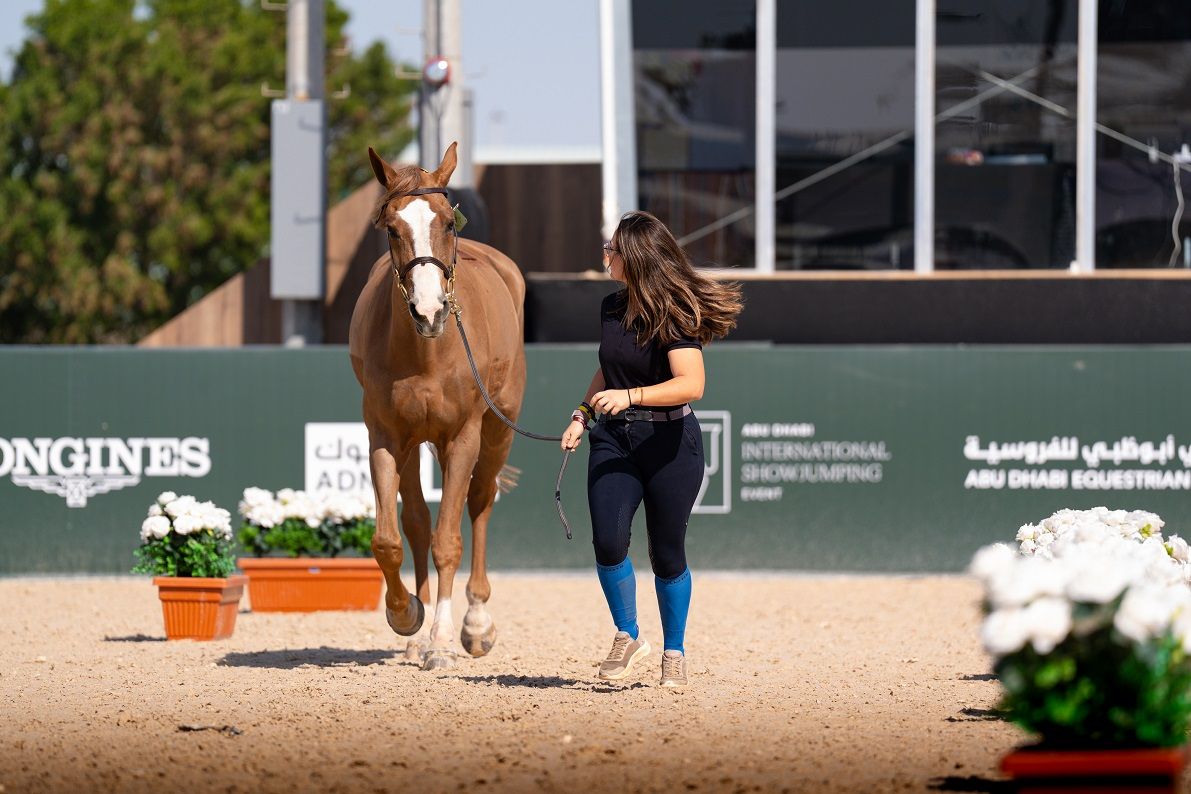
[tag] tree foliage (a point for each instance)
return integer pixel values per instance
(134, 157)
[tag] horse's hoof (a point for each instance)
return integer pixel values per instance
(478, 644)
(417, 614)
(415, 650)
(439, 659)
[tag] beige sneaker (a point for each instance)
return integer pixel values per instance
(673, 669)
(624, 654)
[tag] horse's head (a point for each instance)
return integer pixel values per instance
(420, 223)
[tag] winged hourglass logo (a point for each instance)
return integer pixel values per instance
(79, 468)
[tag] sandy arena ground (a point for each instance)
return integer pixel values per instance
(798, 683)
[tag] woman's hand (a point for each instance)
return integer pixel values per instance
(571, 436)
(612, 401)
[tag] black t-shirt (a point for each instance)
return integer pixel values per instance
(625, 364)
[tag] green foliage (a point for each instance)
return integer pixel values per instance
(134, 157)
(295, 538)
(199, 554)
(1100, 690)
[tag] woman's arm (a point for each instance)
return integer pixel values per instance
(686, 364)
(597, 384)
(574, 431)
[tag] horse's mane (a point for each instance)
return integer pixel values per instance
(409, 177)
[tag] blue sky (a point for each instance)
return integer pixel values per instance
(509, 65)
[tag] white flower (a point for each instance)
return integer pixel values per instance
(1048, 621)
(1026, 580)
(165, 497)
(155, 509)
(1178, 548)
(1027, 532)
(992, 561)
(183, 505)
(154, 527)
(1028, 547)
(186, 523)
(1005, 631)
(1094, 577)
(1146, 611)
(257, 496)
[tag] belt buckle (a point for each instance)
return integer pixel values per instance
(637, 415)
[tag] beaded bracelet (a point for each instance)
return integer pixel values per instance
(578, 416)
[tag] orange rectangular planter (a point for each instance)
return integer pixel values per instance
(197, 608)
(1157, 769)
(312, 584)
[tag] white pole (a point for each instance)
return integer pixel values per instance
(766, 135)
(924, 140)
(430, 145)
(617, 129)
(1085, 142)
(304, 61)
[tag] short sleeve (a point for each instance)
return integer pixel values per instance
(681, 342)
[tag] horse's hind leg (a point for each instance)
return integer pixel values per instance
(479, 631)
(403, 610)
(415, 520)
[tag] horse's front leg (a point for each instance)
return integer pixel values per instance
(403, 610)
(458, 460)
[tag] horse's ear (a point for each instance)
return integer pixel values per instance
(442, 175)
(384, 172)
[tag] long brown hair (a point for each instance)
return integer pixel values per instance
(666, 297)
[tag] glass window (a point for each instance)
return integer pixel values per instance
(1143, 92)
(695, 87)
(1005, 170)
(844, 137)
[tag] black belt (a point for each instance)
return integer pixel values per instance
(647, 415)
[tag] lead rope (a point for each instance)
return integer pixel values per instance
(566, 456)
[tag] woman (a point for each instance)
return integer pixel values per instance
(647, 445)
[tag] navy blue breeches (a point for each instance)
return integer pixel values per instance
(658, 463)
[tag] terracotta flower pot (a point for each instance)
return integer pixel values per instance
(312, 584)
(199, 609)
(1053, 771)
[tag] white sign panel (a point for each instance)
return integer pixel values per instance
(337, 460)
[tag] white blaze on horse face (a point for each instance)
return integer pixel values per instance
(425, 288)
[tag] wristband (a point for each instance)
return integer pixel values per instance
(578, 416)
(586, 409)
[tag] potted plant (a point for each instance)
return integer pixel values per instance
(297, 539)
(1089, 626)
(186, 545)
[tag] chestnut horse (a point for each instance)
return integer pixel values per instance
(418, 387)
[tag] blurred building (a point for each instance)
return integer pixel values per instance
(825, 241)
(843, 143)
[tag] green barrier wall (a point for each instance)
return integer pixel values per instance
(870, 459)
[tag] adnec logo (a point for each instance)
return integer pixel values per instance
(79, 468)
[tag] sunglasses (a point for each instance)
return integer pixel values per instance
(609, 249)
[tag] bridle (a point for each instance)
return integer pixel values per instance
(400, 272)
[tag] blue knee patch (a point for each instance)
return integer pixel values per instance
(620, 590)
(674, 601)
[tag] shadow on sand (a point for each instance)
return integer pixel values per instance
(549, 682)
(978, 715)
(970, 783)
(979, 677)
(134, 638)
(291, 658)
